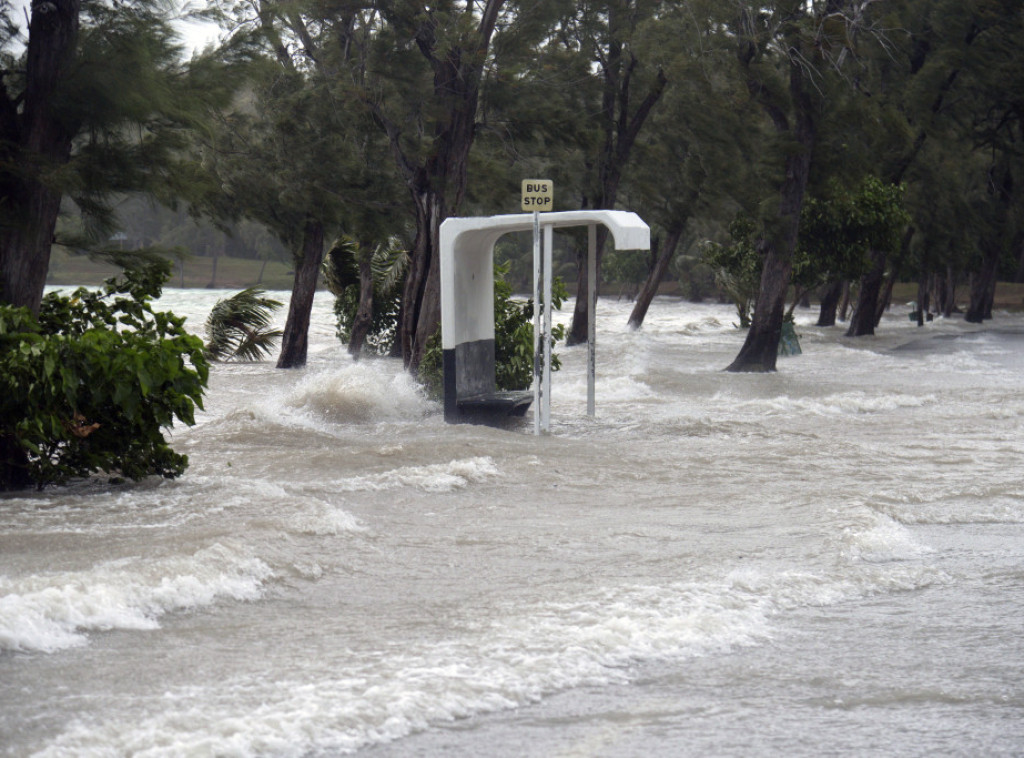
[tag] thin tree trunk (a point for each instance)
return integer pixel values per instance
(761, 348)
(421, 298)
(620, 134)
(213, 274)
(949, 293)
(666, 253)
(922, 299)
(844, 306)
(983, 288)
(862, 323)
(295, 340)
(364, 313)
(37, 141)
(885, 300)
(830, 303)
(263, 268)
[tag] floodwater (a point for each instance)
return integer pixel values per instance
(825, 561)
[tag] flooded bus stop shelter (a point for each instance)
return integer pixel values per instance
(467, 308)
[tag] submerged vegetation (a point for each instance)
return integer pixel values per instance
(90, 383)
(237, 328)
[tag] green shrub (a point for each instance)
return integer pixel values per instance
(90, 384)
(513, 339)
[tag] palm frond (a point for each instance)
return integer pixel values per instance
(237, 327)
(389, 262)
(340, 268)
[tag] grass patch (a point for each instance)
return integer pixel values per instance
(192, 272)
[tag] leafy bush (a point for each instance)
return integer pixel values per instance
(737, 266)
(90, 384)
(388, 262)
(236, 328)
(513, 339)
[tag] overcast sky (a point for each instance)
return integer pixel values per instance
(194, 35)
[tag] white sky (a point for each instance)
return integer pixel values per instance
(195, 35)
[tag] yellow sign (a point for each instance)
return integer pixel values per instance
(538, 194)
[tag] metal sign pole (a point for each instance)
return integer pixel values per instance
(591, 318)
(536, 323)
(546, 403)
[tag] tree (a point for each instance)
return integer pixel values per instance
(843, 234)
(780, 48)
(611, 36)
(97, 104)
(690, 161)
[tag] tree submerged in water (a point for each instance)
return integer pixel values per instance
(237, 327)
(90, 383)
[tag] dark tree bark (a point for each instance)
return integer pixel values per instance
(922, 299)
(862, 323)
(295, 340)
(830, 303)
(35, 142)
(884, 299)
(761, 347)
(844, 304)
(364, 312)
(437, 183)
(420, 312)
(983, 289)
(650, 287)
(620, 134)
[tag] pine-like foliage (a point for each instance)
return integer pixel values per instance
(237, 327)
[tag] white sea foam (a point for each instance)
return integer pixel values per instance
(843, 403)
(315, 516)
(361, 392)
(50, 612)
(878, 538)
(516, 659)
(438, 477)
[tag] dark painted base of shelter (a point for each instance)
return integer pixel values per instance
(470, 396)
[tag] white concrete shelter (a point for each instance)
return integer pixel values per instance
(467, 306)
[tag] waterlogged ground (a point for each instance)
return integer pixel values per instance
(824, 561)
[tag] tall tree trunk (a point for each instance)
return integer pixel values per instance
(884, 299)
(421, 299)
(844, 305)
(38, 139)
(295, 340)
(666, 252)
(862, 323)
(437, 183)
(830, 303)
(983, 287)
(761, 347)
(364, 312)
(213, 274)
(949, 292)
(922, 299)
(620, 134)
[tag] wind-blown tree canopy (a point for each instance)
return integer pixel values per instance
(785, 51)
(97, 100)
